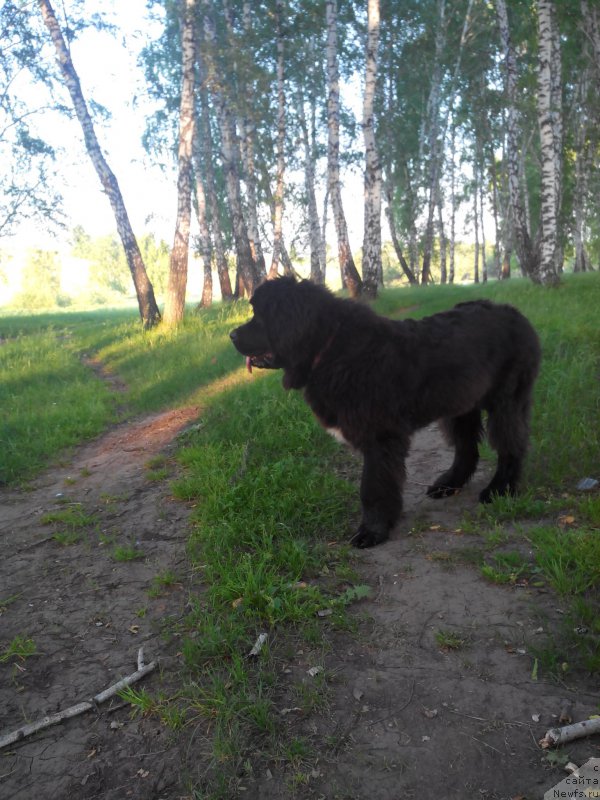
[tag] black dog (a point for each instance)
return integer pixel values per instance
(373, 381)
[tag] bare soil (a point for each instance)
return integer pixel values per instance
(402, 717)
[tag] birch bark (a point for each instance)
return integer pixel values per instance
(438, 127)
(148, 308)
(525, 250)
(432, 131)
(230, 151)
(550, 126)
(203, 225)
(350, 277)
(213, 202)
(583, 160)
(178, 268)
(317, 270)
(279, 181)
(372, 267)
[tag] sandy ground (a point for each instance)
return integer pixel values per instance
(402, 718)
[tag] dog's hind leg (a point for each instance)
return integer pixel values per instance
(464, 433)
(381, 490)
(508, 434)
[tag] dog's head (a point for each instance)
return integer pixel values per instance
(288, 329)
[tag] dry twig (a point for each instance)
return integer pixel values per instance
(78, 708)
(568, 733)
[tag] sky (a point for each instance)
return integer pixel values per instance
(110, 75)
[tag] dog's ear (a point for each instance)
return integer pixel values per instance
(291, 311)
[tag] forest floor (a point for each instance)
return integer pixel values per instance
(432, 696)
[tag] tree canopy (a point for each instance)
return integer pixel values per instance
(484, 111)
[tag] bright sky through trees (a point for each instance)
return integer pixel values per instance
(110, 77)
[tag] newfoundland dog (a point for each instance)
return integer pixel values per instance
(372, 382)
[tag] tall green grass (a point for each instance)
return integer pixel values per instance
(164, 368)
(270, 508)
(566, 413)
(267, 504)
(48, 401)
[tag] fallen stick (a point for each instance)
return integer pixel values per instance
(568, 733)
(78, 708)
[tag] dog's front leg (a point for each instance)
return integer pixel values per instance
(381, 490)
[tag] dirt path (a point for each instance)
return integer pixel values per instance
(88, 614)
(407, 718)
(403, 718)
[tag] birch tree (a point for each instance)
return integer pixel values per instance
(432, 128)
(372, 269)
(230, 156)
(203, 224)
(242, 96)
(29, 179)
(206, 144)
(583, 161)
(178, 269)
(525, 250)
(550, 125)
(280, 146)
(148, 308)
(317, 263)
(350, 277)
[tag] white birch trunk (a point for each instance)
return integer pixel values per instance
(230, 151)
(433, 132)
(438, 127)
(476, 224)
(442, 240)
(591, 25)
(583, 161)
(525, 250)
(213, 203)
(484, 275)
(495, 214)
(317, 270)
(452, 203)
(550, 145)
(178, 268)
(279, 180)
(248, 139)
(145, 293)
(350, 277)
(203, 225)
(324, 233)
(372, 267)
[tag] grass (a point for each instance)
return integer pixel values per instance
(271, 513)
(567, 401)
(506, 568)
(73, 517)
(48, 401)
(126, 553)
(449, 640)
(20, 648)
(72, 520)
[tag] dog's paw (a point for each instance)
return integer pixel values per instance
(491, 492)
(438, 492)
(365, 537)
(486, 496)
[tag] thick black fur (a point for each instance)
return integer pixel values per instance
(375, 381)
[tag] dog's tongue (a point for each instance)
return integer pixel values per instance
(248, 364)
